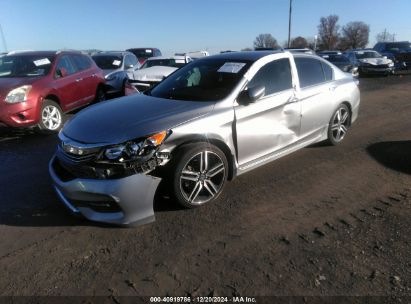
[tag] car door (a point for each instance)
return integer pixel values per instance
(316, 96)
(272, 122)
(66, 82)
(86, 79)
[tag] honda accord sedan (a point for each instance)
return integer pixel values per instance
(212, 120)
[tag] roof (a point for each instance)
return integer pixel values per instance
(167, 57)
(103, 53)
(247, 55)
(40, 53)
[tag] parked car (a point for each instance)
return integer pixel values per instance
(143, 54)
(399, 52)
(370, 62)
(37, 88)
(210, 121)
(155, 69)
(339, 60)
(118, 67)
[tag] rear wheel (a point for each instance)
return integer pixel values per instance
(199, 175)
(51, 117)
(339, 124)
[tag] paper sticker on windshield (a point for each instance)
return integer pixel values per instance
(149, 51)
(231, 67)
(40, 62)
(326, 56)
(180, 61)
(360, 53)
(116, 62)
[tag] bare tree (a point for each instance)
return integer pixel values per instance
(299, 42)
(328, 32)
(354, 35)
(385, 36)
(265, 41)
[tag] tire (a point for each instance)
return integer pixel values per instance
(339, 124)
(51, 117)
(123, 88)
(193, 186)
(100, 94)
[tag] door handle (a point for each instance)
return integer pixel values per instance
(332, 88)
(79, 79)
(93, 75)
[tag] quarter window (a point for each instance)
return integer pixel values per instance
(328, 71)
(275, 76)
(310, 71)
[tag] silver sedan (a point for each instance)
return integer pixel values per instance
(210, 121)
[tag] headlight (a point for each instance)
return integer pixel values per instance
(132, 149)
(391, 64)
(19, 94)
(110, 77)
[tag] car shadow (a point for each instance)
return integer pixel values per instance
(163, 200)
(395, 155)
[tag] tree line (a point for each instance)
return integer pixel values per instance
(331, 36)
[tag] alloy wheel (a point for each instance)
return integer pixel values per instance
(202, 178)
(51, 117)
(340, 124)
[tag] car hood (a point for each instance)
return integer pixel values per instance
(375, 61)
(8, 84)
(155, 73)
(118, 120)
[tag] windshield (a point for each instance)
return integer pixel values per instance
(108, 62)
(25, 65)
(175, 63)
(367, 54)
(398, 46)
(202, 80)
(142, 53)
(336, 58)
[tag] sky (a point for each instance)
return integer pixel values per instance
(184, 25)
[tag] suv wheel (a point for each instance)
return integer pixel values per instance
(51, 116)
(199, 174)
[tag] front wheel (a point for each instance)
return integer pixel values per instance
(51, 117)
(199, 175)
(339, 124)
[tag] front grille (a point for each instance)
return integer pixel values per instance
(379, 66)
(87, 155)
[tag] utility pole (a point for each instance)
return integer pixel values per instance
(385, 35)
(393, 37)
(289, 23)
(4, 39)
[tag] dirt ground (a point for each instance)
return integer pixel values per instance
(324, 221)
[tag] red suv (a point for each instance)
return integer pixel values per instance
(37, 88)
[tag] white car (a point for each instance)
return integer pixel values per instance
(155, 69)
(370, 62)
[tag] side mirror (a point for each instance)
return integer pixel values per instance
(129, 66)
(61, 72)
(251, 95)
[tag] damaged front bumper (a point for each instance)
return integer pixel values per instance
(121, 201)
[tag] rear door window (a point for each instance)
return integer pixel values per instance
(65, 62)
(310, 71)
(328, 72)
(82, 62)
(275, 76)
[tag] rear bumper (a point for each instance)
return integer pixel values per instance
(123, 201)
